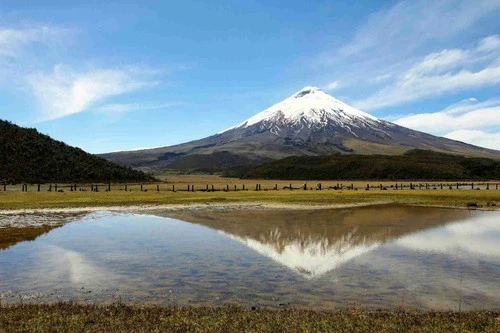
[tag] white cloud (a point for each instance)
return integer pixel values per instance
(470, 121)
(466, 115)
(64, 92)
(490, 43)
(442, 72)
(476, 137)
(410, 24)
(12, 40)
(332, 85)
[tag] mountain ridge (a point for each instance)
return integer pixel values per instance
(309, 123)
(32, 157)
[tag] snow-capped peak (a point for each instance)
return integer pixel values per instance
(313, 107)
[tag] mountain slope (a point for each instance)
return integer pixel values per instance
(31, 157)
(414, 164)
(310, 122)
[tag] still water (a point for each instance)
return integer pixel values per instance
(370, 257)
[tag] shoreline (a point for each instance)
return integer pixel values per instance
(16, 218)
(226, 206)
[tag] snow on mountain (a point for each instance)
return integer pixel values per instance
(310, 107)
(313, 258)
(310, 122)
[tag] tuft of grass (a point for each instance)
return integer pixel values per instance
(64, 317)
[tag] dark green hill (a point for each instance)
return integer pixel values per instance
(413, 165)
(31, 157)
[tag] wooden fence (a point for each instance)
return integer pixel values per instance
(164, 187)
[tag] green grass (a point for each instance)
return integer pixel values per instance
(452, 198)
(119, 318)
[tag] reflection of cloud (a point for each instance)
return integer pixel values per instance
(74, 266)
(310, 258)
(478, 236)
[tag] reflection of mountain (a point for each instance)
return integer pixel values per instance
(313, 242)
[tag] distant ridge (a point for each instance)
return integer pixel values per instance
(311, 123)
(413, 165)
(30, 157)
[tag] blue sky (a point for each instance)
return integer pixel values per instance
(108, 76)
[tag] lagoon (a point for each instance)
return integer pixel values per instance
(369, 257)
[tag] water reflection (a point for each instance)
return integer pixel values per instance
(313, 243)
(383, 256)
(477, 236)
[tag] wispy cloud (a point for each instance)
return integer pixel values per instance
(14, 40)
(64, 91)
(410, 24)
(467, 121)
(477, 137)
(332, 85)
(449, 70)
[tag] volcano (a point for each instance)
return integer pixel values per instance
(310, 122)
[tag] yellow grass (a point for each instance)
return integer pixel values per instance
(446, 197)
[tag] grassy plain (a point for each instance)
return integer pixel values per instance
(119, 318)
(13, 198)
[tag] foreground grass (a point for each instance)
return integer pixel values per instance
(452, 198)
(118, 318)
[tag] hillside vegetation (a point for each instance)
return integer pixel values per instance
(412, 165)
(31, 157)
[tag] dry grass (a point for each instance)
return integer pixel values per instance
(453, 198)
(118, 318)
(13, 198)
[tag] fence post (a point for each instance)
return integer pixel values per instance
(234, 188)
(213, 189)
(472, 186)
(38, 188)
(192, 188)
(55, 187)
(157, 188)
(243, 187)
(488, 186)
